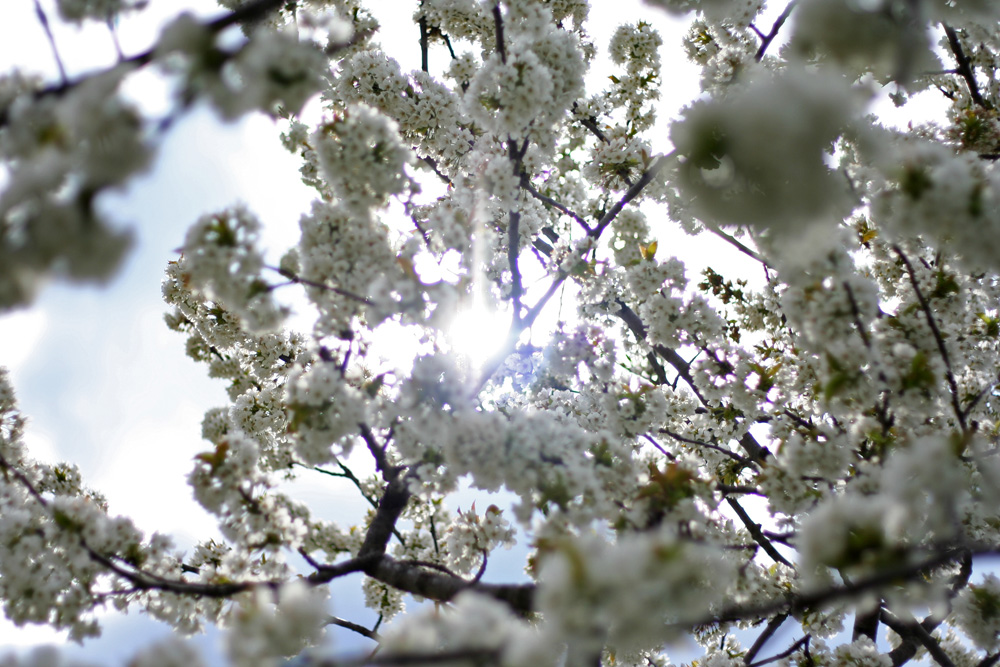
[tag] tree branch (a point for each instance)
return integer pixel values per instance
(633, 192)
(701, 443)
(442, 587)
(382, 465)
(138, 578)
(766, 40)
(498, 31)
(490, 367)
(803, 642)
(905, 651)
(938, 338)
(755, 532)
(513, 253)
(329, 288)
(44, 20)
(526, 184)
(424, 43)
(348, 474)
(390, 507)
(736, 243)
(763, 637)
(912, 630)
(360, 629)
(799, 602)
(432, 163)
(464, 656)
(964, 66)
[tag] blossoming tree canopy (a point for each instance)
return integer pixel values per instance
(685, 455)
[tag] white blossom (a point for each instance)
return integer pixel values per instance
(669, 445)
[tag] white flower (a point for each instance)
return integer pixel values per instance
(101, 10)
(759, 155)
(272, 625)
(977, 612)
(220, 257)
(864, 37)
(362, 157)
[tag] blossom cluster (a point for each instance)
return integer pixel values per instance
(677, 451)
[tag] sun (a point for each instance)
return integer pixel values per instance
(478, 333)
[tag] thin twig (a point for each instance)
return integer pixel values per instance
(526, 184)
(736, 243)
(638, 329)
(387, 470)
(769, 37)
(113, 29)
(701, 443)
(347, 473)
(633, 192)
(318, 285)
(360, 629)
(772, 627)
(804, 641)
(811, 599)
(140, 579)
(432, 163)
(660, 447)
(491, 366)
(44, 20)
(938, 338)
(756, 534)
(912, 629)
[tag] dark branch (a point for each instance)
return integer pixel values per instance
(382, 465)
(633, 192)
(526, 184)
(938, 338)
(865, 625)
(360, 629)
(911, 630)
(44, 20)
(329, 288)
(736, 243)
(906, 650)
(804, 641)
(432, 163)
(465, 656)
(762, 639)
(513, 253)
(424, 44)
(498, 28)
(442, 587)
(638, 329)
(755, 532)
(964, 66)
(803, 601)
(591, 124)
(766, 40)
(390, 507)
(709, 445)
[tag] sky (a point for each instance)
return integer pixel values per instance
(102, 380)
